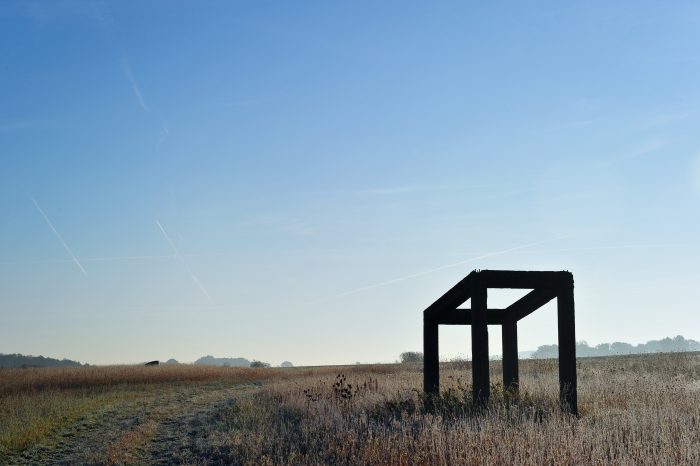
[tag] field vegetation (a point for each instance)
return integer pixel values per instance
(641, 409)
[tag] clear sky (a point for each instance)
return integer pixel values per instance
(299, 180)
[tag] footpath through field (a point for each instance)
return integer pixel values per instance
(159, 424)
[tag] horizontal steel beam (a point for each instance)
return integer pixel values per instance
(464, 317)
(545, 286)
(523, 279)
(530, 303)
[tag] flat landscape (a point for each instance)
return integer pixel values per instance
(642, 409)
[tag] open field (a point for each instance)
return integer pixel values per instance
(634, 410)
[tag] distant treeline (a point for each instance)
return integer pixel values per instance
(20, 360)
(232, 362)
(666, 345)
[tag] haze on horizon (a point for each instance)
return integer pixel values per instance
(299, 180)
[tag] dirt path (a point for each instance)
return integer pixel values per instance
(162, 425)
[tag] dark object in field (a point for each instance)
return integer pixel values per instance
(152, 363)
(545, 287)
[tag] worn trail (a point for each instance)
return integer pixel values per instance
(158, 425)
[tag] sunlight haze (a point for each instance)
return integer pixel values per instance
(297, 181)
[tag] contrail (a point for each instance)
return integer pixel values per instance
(442, 267)
(101, 259)
(58, 235)
(143, 257)
(126, 67)
(179, 256)
(606, 248)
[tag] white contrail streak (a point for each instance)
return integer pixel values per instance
(442, 267)
(606, 248)
(60, 238)
(167, 238)
(128, 258)
(180, 258)
(126, 67)
(100, 259)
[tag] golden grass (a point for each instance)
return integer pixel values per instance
(44, 379)
(26, 418)
(122, 451)
(634, 410)
(36, 402)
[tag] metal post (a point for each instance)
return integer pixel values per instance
(431, 363)
(567, 349)
(509, 332)
(480, 345)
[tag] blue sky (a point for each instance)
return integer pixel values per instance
(291, 180)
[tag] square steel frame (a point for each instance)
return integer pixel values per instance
(545, 286)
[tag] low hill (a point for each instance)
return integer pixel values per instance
(20, 360)
(212, 361)
(677, 344)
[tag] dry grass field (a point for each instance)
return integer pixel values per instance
(633, 410)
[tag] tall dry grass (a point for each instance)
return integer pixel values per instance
(634, 410)
(36, 402)
(14, 381)
(26, 418)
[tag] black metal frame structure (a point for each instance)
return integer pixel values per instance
(545, 286)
